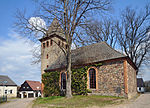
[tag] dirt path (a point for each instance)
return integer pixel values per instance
(18, 103)
(143, 101)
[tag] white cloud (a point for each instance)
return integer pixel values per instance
(15, 59)
(73, 46)
(37, 22)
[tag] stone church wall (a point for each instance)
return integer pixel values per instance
(132, 81)
(111, 79)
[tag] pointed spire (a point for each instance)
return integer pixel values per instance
(55, 28)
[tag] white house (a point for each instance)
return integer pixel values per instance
(7, 87)
(30, 89)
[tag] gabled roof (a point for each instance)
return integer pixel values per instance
(140, 82)
(35, 85)
(88, 54)
(5, 80)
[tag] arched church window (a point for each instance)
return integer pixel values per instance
(63, 80)
(92, 78)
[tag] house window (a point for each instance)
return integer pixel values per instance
(51, 42)
(63, 80)
(10, 91)
(47, 56)
(47, 43)
(43, 45)
(5, 91)
(92, 78)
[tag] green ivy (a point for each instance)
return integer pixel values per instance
(78, 84)
(79, 81)
(51, 83)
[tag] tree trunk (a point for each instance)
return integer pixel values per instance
(68, 86)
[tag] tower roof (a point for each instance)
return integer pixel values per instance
(55, 28)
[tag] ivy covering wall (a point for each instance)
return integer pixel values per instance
(51, 83)
(78, 84)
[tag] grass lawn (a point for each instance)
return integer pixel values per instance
(75, 101)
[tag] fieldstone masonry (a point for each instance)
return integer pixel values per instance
(111, 80)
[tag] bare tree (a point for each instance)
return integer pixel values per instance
(70, 13)
(98, 31)
(132, 34)
(129, 33)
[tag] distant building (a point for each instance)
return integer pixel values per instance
(140, 85)
(30, 89)
(147, 86)
(7, 87)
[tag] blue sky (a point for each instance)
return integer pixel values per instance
(15, 53)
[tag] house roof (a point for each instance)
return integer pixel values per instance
(140, 82)
(5, 80)
(35, 85)
(88, 54)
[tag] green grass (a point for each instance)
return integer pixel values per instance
(75, 101)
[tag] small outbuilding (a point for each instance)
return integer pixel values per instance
(30, 89)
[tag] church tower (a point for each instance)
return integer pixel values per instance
(50, 46)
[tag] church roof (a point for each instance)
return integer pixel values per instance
(88, 54)
(6, 81)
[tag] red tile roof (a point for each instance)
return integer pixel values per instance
(35, 85)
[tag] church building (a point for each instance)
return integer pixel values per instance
(115, 77)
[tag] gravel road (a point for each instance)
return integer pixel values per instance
(143, 101)
(18, 103)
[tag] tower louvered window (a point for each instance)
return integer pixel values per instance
(51, 42)
(47, 56)
(43, 45)
(47, 44)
